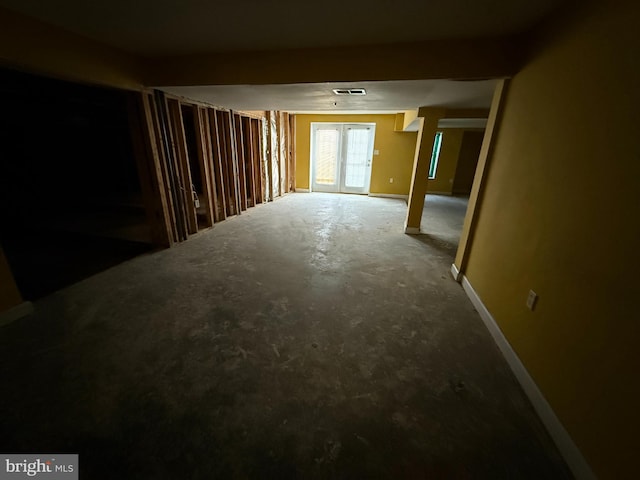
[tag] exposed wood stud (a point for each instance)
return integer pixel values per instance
(208, 136)
(283, 152)
(175, 180)
(204, 155)
(226, 162)
(271, 143)
(249, 155)
(241, 165)
(237, 156)
(182, 157)
(292, 150)
(264, 160)
(225, 131)
(164, 167)
(254, 127)
(149, 170)
(233, 156)
(218, 164)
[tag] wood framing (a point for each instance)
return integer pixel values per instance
(249, 163)
(264, 159)
(281, 119)
(184, 170)
(228, 150)
(257, 141)
(217, 165)
(226, 138)
(149, 169)
(164, 166)
(272, 157)
(292, 153)
(241, 163)
(203, 144)
(170, 166)
(232, 157)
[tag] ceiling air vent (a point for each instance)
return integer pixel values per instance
(349, 91)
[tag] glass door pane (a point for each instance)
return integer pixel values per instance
(341, 156)
(357, 143)
(357, 153)
(326, 175)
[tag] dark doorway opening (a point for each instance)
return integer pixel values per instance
(70, 199)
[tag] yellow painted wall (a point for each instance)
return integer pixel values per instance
(549, 221)
(467, 162)
(450, 148)
(409, 117)
(397, 150)
(9, 294)
(477, 58)
(31, 45)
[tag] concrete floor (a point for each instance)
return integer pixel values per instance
(307, 338)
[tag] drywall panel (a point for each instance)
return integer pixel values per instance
(467, 162)
(546, 223)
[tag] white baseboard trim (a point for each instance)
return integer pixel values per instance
(411, 230)
(572, 455)
(389, 195)
(455, 273)
(15, 313)
(302, 190)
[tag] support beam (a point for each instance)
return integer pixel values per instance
(429, 118)
(434, 59)
(473, 209)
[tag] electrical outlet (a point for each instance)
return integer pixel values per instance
(391, 180)
(532, 299)
(376, 152)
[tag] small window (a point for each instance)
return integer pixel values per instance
(433, 166)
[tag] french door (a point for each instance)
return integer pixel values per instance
(341, 155)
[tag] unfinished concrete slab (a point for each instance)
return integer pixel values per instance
(306, 338)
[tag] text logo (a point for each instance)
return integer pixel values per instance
(44, 466)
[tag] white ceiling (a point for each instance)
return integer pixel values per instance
(390, 96)
(176, 27)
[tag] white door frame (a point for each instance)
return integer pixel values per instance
(340, 186)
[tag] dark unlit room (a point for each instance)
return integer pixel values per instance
(286, 240)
